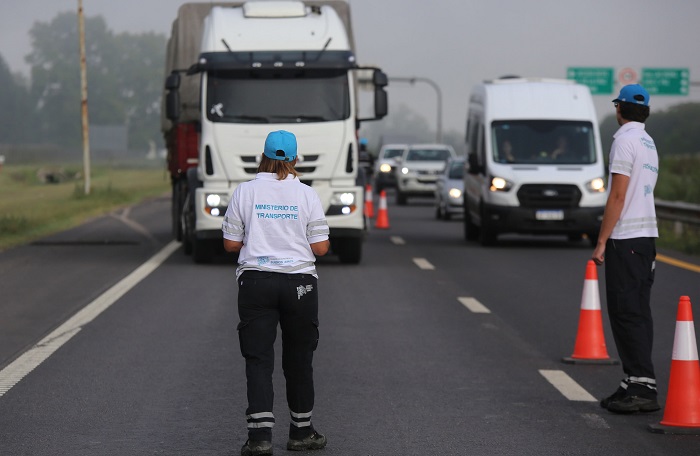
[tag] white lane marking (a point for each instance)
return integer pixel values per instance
(398, 240)
(567, 386)
(423, 263)
(32, 358)
(473, 305)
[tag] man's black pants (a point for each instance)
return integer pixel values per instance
(266, 299)
(629, 275)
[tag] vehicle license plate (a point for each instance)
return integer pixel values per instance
(549, 215)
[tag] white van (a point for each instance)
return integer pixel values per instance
(535, 161)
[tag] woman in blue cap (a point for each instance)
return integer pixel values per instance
(278, 227)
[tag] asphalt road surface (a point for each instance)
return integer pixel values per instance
(113, 342)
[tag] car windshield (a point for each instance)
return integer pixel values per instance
(392, 153)
(456, 170)
(427, 155)
(277, 97)
(543, 142)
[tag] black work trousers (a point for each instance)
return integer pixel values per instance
(629, 275)
(266, 299)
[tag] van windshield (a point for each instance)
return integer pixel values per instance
(543, 142)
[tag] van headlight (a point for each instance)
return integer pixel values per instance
(499, 184)
(216, 203)
(597, 185)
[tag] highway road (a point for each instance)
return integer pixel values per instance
(112, 342)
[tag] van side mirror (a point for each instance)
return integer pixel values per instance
(172, 82)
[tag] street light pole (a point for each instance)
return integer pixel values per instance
(430, 82)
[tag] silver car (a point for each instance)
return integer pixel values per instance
(449, 199)
(418, 168)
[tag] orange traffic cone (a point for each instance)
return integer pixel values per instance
(369, 205)
(682, 412)
(382, 216)
(590, 341)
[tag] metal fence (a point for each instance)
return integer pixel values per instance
(677, 211)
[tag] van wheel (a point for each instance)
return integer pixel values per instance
(487, 233)
(471, 231)
(592, 238)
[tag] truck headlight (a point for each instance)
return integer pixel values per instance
(499, 184)
(216, 204)
(597, 185)
(342, 203)
(405, 170)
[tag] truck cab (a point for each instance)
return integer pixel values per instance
(265, 66)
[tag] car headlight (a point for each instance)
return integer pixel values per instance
(216, 203)
(455, 193)
(385, 168)
(404, 170)
(597, 185)
(499, 184)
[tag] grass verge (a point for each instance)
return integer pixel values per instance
(36, 201)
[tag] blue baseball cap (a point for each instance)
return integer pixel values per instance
(281, 145)
(633, 93)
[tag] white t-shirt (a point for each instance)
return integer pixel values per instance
(633, 153)
(276, 220)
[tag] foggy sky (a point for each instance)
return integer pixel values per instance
(455, 43)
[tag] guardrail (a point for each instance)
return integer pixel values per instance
(677, 211)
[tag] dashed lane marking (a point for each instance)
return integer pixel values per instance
(567, 386)
(473, 305)
(398, 240)
(423, 264)
(32, 358)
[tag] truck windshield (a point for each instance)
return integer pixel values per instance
(543, 142)
(277, 97)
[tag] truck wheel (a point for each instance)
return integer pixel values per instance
(178, 200)
(349, 250)
(471, 231)
(202, 251)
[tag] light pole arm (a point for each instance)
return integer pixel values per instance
(438, 92)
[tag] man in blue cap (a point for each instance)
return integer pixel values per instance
(277, 225)
(627, 245)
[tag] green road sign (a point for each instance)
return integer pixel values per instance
(666, 81)
(599, 80)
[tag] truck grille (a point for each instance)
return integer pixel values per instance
(305, 165)
(549, 196)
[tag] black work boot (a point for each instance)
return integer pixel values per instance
(256, 448)
(315, 441)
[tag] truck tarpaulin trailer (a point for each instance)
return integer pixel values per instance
(236, 71)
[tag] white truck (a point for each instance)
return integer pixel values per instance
(535, 161)
(236, 71)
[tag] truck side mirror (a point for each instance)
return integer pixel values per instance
(380, 79)
(172, 105)
(172, 82)
(172, 98)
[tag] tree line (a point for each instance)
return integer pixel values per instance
(125, 78)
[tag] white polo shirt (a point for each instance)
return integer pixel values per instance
(633, 153)
(276, 220)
